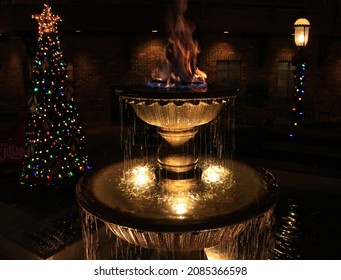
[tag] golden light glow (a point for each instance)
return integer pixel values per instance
(214, 174)
(47, 21)
(301, 38)
(301, 27)
(180, 205)
(217, 253)
(140, 176)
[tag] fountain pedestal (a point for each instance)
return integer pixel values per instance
(177, 120)
(177, 152)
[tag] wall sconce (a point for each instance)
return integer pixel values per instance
(301, 27)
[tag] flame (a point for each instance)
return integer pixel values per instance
(181, 53)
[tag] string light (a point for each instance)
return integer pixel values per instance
(47, 21)
(55, 153)
(299, 91)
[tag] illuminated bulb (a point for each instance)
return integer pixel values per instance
(140, 176)
(301, 38)
(180, 209)
(179, 206)
(47, 21)
(214, 174)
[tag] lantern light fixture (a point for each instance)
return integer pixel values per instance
(301, 26)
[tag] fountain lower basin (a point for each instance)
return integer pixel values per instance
(151, 218)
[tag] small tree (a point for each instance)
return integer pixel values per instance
(55, 153)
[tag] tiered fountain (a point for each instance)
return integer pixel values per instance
(187, 198)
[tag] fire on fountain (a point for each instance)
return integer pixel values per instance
(184, 197)
(180, 70)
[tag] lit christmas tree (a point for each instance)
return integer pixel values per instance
(55, 153)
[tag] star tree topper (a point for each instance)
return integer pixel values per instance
(47, 21)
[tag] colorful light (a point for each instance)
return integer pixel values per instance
(299, 92)
(47, 141)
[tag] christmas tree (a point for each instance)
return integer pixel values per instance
(55, 153)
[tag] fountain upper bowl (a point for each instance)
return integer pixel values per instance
(177, 117)
(176, 109)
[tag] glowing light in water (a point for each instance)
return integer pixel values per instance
(214, 174)
(179, 206)
(181, 203)
(140, 176)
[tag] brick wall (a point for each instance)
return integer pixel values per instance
(100, 61)
(13, 68)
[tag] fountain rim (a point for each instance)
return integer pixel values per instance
(141, 93)
(128, 220)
